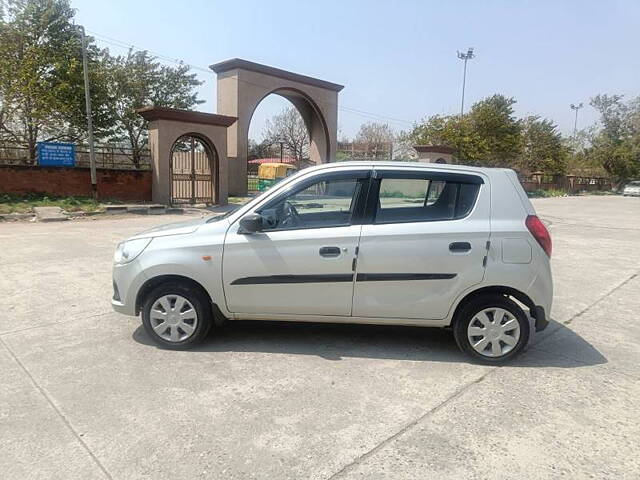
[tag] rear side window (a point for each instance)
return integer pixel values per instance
(423, 199)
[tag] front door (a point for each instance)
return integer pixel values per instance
(302, 263)
(424, 242)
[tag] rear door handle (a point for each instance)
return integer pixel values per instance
(329, 251)
(459, 247)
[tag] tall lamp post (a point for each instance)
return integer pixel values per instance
(87, 98)
(575, 123)
(465, 57)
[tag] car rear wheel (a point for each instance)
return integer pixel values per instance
(176, 316)
(492, 329)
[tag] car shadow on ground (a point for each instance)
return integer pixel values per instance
(336, 341)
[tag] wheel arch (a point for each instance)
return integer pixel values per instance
(521, 297)
(153, 282)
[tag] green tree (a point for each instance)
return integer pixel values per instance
(495, 127)
(137, 80)
(264, 149)
(580, 160)
(488, 135)
(41, 77)
(617, 146)
(542, 147)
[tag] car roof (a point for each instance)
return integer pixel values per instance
(412, 165)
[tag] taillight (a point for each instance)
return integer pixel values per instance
(539, 232)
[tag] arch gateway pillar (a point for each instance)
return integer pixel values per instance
(242, 85)
(166, 127)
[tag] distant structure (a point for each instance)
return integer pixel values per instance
(201, 158)
(242, 85)
(435, 154)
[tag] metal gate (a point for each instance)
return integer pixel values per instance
(191, 176)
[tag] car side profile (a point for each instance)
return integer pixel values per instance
(632, 189)
(354, 242)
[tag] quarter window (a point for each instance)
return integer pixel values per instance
(424, 200)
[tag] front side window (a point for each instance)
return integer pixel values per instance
(323, 203)
(424, 199)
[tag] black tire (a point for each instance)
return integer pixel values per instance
(197, 298)
(466, 314)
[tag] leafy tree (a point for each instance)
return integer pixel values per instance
(497, 130)
(264, 149)
(289, 128)
(451, 131)
(488, 135)
(138, 79)
(42, 84)
(617, 146)
(41, 77)
(580, 160)
(543, 148)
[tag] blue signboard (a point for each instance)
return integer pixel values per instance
(56, 154)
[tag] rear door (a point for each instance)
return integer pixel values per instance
(302, 263)
(425, 241)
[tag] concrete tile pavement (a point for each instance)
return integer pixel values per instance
(85, 395)
(36, 441)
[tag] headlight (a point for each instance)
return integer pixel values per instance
(130, 249)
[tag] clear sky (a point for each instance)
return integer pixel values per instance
(397, 59)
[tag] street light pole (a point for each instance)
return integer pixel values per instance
(575, 123)
(87, 98)
(465, 57)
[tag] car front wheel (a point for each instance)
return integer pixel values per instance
(492, 329)
(176, 316)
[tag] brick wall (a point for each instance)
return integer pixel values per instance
(124, 185)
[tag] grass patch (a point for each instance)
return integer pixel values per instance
(547, 193)
(10, 203)
(239, 200)
(597, 192)
(561, 193)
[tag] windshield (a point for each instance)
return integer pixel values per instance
(217, 218)
(252, 201)
(634, 184)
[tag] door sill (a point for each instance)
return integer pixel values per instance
(343, 319)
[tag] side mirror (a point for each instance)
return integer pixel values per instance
(251, 223)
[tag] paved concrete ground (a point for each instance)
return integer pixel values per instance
(84, 394)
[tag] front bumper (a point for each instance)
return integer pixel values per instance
(127, 281)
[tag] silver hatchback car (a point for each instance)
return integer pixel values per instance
(378, 243)
(632, 189)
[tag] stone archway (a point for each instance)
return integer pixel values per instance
(242, 85)
(319, 136)
(166, 127)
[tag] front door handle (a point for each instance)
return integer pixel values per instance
(329, 252)
(459, 247)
